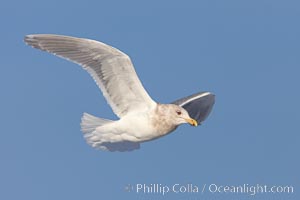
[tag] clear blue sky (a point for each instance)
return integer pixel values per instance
(246, 52)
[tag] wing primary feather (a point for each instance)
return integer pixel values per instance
(112, 69)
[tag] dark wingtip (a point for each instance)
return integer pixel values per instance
(207, 103)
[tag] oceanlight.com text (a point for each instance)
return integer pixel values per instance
(249, 189)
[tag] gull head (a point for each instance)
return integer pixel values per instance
(181, 116)
(176, 115)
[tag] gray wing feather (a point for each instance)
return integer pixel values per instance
(111, 69)
(198, 105)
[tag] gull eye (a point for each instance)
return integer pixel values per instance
(178, 112)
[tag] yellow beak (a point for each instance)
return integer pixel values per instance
(191, 122)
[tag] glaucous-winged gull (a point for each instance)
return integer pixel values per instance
(141, 118)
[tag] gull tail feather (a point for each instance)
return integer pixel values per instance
(98, 133)
(89, 123)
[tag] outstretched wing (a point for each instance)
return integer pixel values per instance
(197, 105)
(111, 69)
